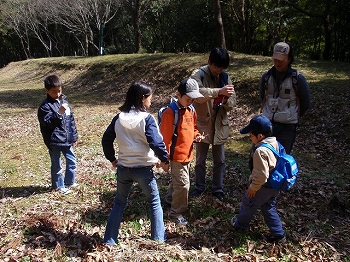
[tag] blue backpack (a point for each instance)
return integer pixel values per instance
(173, 105)
(284, 175)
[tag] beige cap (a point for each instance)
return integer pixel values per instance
(281, 51)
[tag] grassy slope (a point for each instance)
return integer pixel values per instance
(315, 213)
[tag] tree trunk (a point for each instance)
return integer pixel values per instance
(220, 26)
(137, 31)
(327, 32)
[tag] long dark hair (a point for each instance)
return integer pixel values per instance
(134, 96)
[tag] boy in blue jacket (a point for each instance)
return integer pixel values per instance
(57, 126)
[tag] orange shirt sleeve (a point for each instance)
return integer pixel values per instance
(166, 127)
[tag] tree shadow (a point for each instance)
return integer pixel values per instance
(46, 231)
(24, 191)
(136, 207)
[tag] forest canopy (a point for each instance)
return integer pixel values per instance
(45, 28)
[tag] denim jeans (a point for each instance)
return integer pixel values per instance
(266, 200)
(218, 166)
(145, 178)
(57, 179)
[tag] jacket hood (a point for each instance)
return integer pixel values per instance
(131, 119)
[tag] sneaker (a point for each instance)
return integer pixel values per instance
(275, 239)
(196, 193)
(73, 185)
(64, 190)
(235, 227)
(219, 195)
(181, 221)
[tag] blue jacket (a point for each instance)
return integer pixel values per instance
(139, 140)
(56, 130)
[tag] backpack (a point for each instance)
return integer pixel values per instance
(284, 175)
(173, 105)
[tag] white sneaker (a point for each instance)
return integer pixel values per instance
(64, 190)
(73, 185)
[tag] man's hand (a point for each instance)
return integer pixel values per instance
(227, 90)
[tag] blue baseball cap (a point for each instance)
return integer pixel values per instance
(258, 124)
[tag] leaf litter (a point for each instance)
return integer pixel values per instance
(52, 227)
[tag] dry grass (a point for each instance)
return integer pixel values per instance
(39, 225)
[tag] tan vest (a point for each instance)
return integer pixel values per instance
(281, 107)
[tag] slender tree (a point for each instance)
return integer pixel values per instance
(220, 25)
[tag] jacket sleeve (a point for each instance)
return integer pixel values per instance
(48, 117)
(108, 141)
(166, 127)
(155, 139)
(261, 169)
(196, 131)
(262, 87)
(207, 92)
(304, 94)
(74, 128)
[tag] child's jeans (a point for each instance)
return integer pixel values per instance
(266, 200)
(57, 179)
(145, 178)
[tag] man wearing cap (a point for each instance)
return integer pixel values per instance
(219, 99)
(180, 147)
(260, 195)
(285, 95)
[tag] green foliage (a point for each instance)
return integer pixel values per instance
(317, 30)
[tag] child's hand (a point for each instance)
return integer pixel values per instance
(164, 165)
(114, 163)
(251, 193)
(63, 108)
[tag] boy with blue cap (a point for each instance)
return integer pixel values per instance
(260, 195)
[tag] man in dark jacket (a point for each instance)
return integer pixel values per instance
(57, 126)
(285, 95)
